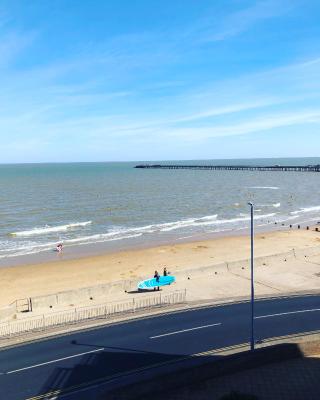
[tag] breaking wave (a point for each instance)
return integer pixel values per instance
(50, 229)
(305, 210)
(26, 243)
(264, 187)
(275, 205)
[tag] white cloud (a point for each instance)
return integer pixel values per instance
(208, 112)
(98, 97)
(261, 124)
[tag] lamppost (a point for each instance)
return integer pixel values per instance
(252, 276)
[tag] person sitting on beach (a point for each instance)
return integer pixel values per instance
(59, 247)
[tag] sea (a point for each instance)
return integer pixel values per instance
(112, 206)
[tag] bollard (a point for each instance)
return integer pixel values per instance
(298, 226)
(307, 228)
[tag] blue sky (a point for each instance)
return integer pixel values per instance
(154, 80)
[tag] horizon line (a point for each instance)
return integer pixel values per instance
(148, 161)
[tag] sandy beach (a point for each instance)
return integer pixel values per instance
(66, 274)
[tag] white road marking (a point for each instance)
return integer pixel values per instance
(185, 330)
(287, 313)
(54, 361)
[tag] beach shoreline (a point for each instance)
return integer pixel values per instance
(81, 251)
(24, 281)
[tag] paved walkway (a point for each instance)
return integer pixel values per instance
(297, 379)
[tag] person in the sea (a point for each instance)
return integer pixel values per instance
(157, 277)
(59, 247)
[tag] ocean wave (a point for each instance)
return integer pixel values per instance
(275, 205)
(286, 218)
(34, 248)
(126, 233)
(244, 218)
(25, 246)
(103, 237)
(264, 187)
(122, 233)
(185, 223)
(305, 210)
(50, 229)
(306, 221)
(6, 245)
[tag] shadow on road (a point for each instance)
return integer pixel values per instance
(303, 376)
(101, 365)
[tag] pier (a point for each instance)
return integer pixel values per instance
(282, 168)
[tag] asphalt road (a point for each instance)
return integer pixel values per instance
(59, 363)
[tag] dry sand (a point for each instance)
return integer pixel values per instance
(47, 278)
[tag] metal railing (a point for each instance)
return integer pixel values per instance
(101, 311)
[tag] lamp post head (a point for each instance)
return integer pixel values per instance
(250, 204)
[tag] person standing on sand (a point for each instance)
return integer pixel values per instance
(166, 273)
(157, 277)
